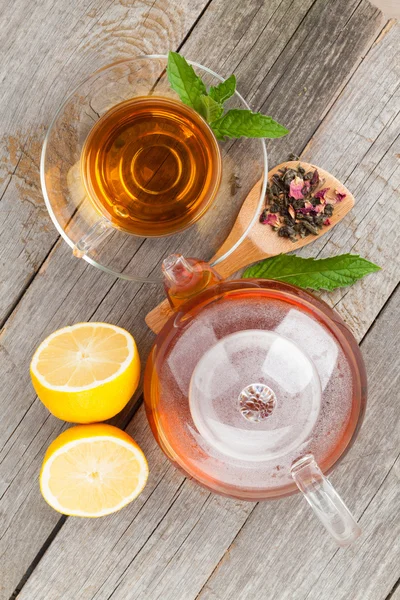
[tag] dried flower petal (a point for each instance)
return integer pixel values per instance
(315, 178)
(339, 195)
(269, 219)
(321, 193)
(296, 186)
(292, 207)
(306, 188)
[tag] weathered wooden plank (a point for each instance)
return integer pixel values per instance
(367, 480)
(117, 307)
(163, 545)
(359, 141)
(67, 41)
(285, 66)
(374, 566)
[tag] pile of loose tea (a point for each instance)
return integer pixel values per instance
(296, 203)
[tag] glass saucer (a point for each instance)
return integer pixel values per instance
(78, 220)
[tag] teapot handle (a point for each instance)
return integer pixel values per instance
(325, 501)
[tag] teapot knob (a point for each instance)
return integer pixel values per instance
(257, 401)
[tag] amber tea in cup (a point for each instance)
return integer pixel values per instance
(151, 166)
(125, 163)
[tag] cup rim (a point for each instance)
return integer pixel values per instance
(211, 192)
(46, 197)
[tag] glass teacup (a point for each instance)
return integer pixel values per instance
(97, 223)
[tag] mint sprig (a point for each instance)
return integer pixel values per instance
(212, 109)
(312, 273)
(184, 81)
(244, 123)
(234, 123)
(224, 90)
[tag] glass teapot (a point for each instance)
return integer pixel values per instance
(255, 389)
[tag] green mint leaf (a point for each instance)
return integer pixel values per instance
(224, 90)
(315, 274)
(238, 123)
(185, 82)
(212, 109)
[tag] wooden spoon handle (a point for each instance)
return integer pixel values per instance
(261, 242)
(246, 254)
(157, 317)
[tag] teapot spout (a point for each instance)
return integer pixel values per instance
(178, 271)
(184, 278)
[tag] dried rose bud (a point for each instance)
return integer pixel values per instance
(315, 178)
(308, 207)
(319, 208)
(306, 188)
(296, 186)
(321, 193)
(339, 195)
(269, 220)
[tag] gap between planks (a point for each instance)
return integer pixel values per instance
(203, 11)
(4, 320)
(223, 557)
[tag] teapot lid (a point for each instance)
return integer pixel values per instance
(255, 395)
(247, 378)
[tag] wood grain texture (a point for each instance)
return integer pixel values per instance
(165, 544)
(66, 291)
(103, 560)
(67, 41)
(291, 58)
(43, 58)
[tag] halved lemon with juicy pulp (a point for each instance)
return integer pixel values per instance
(92, 471)
(87, 372)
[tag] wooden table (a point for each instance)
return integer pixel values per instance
(329, 70)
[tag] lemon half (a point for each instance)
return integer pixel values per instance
(92, 471)
(87, 372)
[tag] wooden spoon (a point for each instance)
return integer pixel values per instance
(262, 241)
